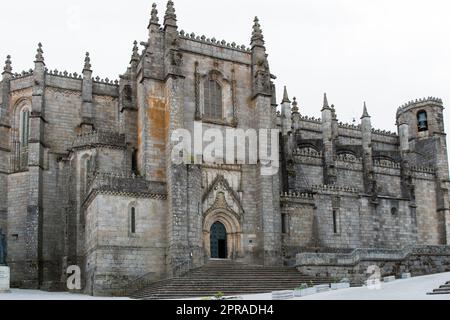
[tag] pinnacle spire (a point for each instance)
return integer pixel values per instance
(7, 68)
(365, 112)
(39, 55)
(295, 106)
(170, 18)
(285, 96)
(135, 55)
(257, 35)
(87, 63)
(154, 15)
(325, 102)
(333, 112)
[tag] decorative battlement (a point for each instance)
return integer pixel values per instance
(124, 184)
(297, 195)
(384, 133)
(99, 138)
(307, 152)
(349, 126)
(334, 188)
(386, 164)
(423, 169)
(97, 79)
(310, 119)
(419, 103)
(64, 74)
(348, 158)
(214, 42)
(23, 74)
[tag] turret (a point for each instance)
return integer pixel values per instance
(170, 18)
(260, 65)
(87, 121)
(173, 57)
(366, 131)
(286, 116)
(153, 25)
(295, 116)
(328, 143)
(6, 76)
(366, 128)
(34, 250)
(334, 123)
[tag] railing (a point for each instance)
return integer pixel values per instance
(148, 279)
(99, 138)
(139, 284)
(182, 268)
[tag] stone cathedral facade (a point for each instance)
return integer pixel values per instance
(86, 176)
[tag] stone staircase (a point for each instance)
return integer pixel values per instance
(445, 289)
(230, 278)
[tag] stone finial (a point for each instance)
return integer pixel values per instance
(365, 113)
(295, 106)
(325, 102)
(87, 63)
(40, 54)
(170, 18)
(135, 55)
(7, 68)
(154, 15)
(257, 35)
(333, 112)
(285, 96)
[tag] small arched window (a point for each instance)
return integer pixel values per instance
(422, 121)
(394, 211)
(24, 127)
(213, 100)
(133, 221)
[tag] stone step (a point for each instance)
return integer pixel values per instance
(230, 278)
(444, 289)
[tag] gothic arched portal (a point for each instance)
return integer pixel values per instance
(222, 231)
(218, 240)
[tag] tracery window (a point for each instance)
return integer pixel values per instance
(213, 100)
(24, 127)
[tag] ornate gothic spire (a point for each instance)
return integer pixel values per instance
(7, 68)
(170, 18)
(39, 55)
(154, 16)
(87, 63)
(285, 96)
(295, 106)
(257, 35)
(365, 113)
(325, 102)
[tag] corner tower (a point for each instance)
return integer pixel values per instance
(423, 143)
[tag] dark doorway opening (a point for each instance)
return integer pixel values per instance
(219, 248)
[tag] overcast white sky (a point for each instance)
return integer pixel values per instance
(383, 52)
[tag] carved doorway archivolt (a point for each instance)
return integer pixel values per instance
(233, 231)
